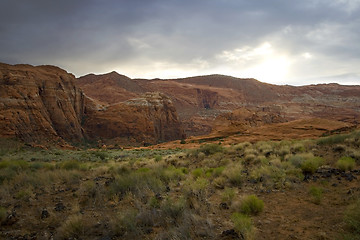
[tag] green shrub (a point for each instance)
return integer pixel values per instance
(346, 163)
(228, 195)
(352, 220)
(234, 174)
(209, 149)
(158, 158)
(182, 141)
(340, 138)
(243, 225)
(251, 205)
(317, 194)
(312, 164)
(198, 172)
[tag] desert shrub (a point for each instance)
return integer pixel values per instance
(216, 172)
(251, 205)
(125, 222)
(283, 150)
(101, 154)
(316, 193)
(182, 141)
(172, 174)
(334, 139)
(172, 208)
(244, 226)
(219, 182)
(242, 146)
(264, 148)
(352, 220)
(154, 202)
(270, 175)
(346, 163)
(228, 195)
(70, 165)
(209, 149)
(310, 165)
(197, 188)
(72, 228)
(136, 182)
(198, 172)
(234, 174)
(298, 148)
(3, 214)
(158, 158)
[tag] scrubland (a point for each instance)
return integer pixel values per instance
(301, 189)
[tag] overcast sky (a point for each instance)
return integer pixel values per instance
(275, 41)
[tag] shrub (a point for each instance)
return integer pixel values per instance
(70, 165)
(312, 164)
(251, 205)
(228, 195)
(332, 139)
(209, 149)
(72, 228)
(158, 158)
(352, 220)
(173, 209)
(345, 163)
(234, 174)
(317, 194)
(182, 141)
(244, 226)
(101, 154)
(198, 172)
(125, 223)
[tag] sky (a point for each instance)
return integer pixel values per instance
(275, 41)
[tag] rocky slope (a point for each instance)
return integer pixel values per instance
(148, 119)
(42, 105)
(200, 100)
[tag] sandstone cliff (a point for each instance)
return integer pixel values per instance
(148, 119)
(43, 105)
(40, 104)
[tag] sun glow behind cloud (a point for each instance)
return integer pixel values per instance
(262, 62)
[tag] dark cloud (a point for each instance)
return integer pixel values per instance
(143, 38)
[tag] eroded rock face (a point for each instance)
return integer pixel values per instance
(40, 104)
(43, 105)
(149, 119)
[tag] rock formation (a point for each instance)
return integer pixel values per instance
(200, 100)
(148, 119)
(40, 104)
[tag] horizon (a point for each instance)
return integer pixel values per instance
(282, 43)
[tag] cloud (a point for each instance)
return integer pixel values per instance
(141, 38)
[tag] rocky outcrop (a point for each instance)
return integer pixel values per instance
(43, 105)
(40, 104)
(149, 119)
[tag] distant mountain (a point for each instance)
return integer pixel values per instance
(199, 100)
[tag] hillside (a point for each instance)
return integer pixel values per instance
(199, 100)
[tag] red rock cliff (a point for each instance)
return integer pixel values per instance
(39, 104)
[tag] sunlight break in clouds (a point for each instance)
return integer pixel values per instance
(261, 62)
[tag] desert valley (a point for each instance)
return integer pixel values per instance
(206, 157)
